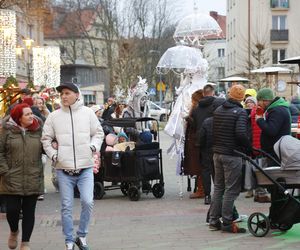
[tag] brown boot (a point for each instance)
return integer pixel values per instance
(13, 240)
(200, 191)
(25, 246)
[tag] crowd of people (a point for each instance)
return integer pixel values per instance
(218, 128)
(32, 130)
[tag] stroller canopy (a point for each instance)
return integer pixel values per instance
(287, 149)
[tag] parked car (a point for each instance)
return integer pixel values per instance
(158, 112)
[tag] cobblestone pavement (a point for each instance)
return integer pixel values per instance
(166, 223)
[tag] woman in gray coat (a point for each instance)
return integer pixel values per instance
(21, 171)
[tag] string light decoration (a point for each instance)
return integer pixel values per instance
(46, 66)
(7, 43)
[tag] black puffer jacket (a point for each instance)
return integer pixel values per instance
(205, 109)
(230, 128)
(206, 143)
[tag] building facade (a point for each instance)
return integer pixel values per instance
(87, 78)
(29, 34)
(214, 50)
(78, 34)
(261, 33)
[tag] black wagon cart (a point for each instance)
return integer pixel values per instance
(133, 171)
(281, 181)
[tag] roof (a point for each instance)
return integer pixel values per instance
(234, 79)
(271, 70)
(221, 20)
(291, 60)
(60, 23)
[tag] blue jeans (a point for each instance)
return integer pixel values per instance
(85, 184)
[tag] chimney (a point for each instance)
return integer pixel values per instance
(214, 15)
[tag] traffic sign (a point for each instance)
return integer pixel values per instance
(160, 86)
(152, 91)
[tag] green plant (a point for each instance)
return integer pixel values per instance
(10, 82)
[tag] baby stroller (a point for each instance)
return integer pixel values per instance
(133, 171)
(284, 211)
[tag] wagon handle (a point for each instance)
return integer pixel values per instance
(281, 188)
(267, 155)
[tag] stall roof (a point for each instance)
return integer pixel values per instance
(291, 60)
(234, 79)
(271, 70)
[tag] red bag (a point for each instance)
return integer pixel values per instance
(259, 111)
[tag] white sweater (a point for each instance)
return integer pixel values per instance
(76, 130)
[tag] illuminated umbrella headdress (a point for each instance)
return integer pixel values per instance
(182, 59)
(194, 28)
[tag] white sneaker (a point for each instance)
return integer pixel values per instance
(70, 246)
(242, 217)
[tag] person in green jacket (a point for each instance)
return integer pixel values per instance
(21, 171)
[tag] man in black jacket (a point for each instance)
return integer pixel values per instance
(110, 109)
(230, 133)
(205, 109)
(274, 123)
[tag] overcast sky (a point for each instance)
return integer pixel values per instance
(185, 7)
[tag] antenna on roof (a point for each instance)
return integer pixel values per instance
(195, 6)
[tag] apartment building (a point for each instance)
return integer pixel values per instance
(214, 49)
(261, 33)
(83, 49)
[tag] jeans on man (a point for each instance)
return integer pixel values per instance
(85, 184)
(227, 187)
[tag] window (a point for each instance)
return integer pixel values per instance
(98, 29)
(279, 3)
(221, 52)
(234, 59)
(228, 32)
(63, 51)
(228, 62)
(233, 31)
(221, 72)
(89, 98)
(278, 22)
(30, 30)
(277, 55)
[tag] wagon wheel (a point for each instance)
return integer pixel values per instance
(134, 193)
(282, 227)
(98, 190)
(124, 187)
(258, 224)
(158, 190)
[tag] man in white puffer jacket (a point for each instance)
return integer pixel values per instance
(78, 134)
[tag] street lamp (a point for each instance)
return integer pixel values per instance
(28, 43)
(160, 84)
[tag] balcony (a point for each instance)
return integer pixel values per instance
(280, 4)
(279, 35)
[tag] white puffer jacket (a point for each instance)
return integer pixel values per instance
(77, 131)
